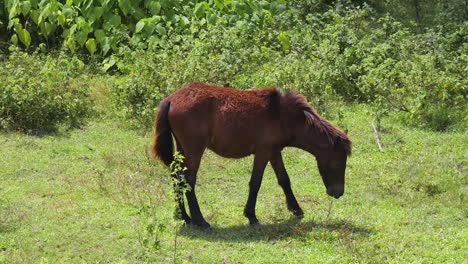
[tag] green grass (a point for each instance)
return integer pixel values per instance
(92, 195)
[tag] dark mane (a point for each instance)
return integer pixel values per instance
(336, 137)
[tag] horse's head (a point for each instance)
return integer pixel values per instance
(331, 148)
(332, 165)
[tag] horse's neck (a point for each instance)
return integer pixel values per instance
(314, 147)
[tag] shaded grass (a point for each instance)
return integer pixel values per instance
(92, 195)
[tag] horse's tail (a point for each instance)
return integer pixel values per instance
(163, 147)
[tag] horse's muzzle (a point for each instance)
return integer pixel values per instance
(335, 191)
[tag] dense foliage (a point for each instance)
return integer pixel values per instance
(104, 25)
(346, 55)
(40, 93)
(405, 56)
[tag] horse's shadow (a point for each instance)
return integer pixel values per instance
(292, 228)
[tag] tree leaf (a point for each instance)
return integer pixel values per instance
(44, 14)
(105, 46)
(25, 8)
(13, 10)
(47, 28)
(100, 36)
(111, 21)
(71, 44)
(212, 19)
(154, 7)
(125, 6)
(219, 4)
(184, 21)
(160, 29)
(61, 19)
(200, 9)
(24, 37)
(139, 26)
(14, 39)
(81, 37)
(91, 46)
(283, 38)
(35, 16)
(108, 63)
(95, 13)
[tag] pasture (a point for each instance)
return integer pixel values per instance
(93, 195)
(80, 81)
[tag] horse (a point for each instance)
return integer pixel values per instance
(236, 123)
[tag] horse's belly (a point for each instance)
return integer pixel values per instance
(231, 149)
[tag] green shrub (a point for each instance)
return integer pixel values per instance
(40, 93)
(340, 55)
(138, 91)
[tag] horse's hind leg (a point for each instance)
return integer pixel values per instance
(283, 180)
(193, 154)
(197, 217)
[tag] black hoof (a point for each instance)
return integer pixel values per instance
(299, 215)
(208, 230)
(297, 212)
(253, 222)
(203, 226)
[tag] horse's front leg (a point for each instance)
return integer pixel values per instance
(260, 162)
(283, 180)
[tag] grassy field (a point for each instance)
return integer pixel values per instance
(92, 195)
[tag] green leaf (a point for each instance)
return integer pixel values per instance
(47, 28)
(25, 8)
(154, 7)
(125, 6)
(219, 4)
(100, 36)
(184, 21)
(81, 37)
(139, 26)
(13, 10)
(61, 19)
(212, 19)
(71, 44)
(95, 13)
(112, 21)
(35, 16)
(24, 37)
(108, 63)
(14, 39)
(105, 46)
(160, 29)
(91, 46)
(14, 23)
(283, 38)
(68, 12)
(44, 14)
(149, 28)
(200, 9)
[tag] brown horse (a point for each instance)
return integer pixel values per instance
(235, 124)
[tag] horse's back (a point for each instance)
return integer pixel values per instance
(230, 122)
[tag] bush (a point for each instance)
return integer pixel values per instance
(39, 93)
(138, 91)
(340, 55)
